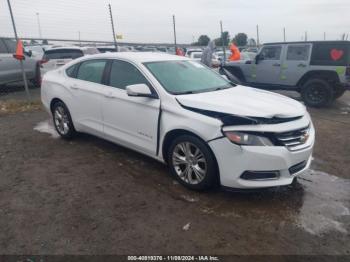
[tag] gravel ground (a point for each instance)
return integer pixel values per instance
(89, 196)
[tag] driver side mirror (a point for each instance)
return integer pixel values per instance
(140, 90)
(28, 53)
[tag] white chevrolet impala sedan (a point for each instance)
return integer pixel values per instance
(208, 130)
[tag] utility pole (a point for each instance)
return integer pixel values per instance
(79, 38)
(223, 43)
(174, 25)
(284, 34)
(39, 26)
(305, 36)
(257, 35)
(20, 61)
(324, 36)
(113, 32)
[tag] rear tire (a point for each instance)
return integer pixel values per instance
(317, 93)
(192, 163)
(62, 120)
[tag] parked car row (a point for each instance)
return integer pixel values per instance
(320, 71)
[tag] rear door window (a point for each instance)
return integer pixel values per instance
(3, 49)
(298, 52)
(71, 71)
(91, 71)
(63, 54)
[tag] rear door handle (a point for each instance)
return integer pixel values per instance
(74, 87)
(276, 64)
(301, 65)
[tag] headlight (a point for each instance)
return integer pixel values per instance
(246, 139)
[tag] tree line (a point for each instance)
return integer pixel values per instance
(240, 39)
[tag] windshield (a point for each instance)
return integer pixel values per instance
(186, 77)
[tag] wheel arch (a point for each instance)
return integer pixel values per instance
(328, 75)
(172, 134)
(235, 71)
(53, 101)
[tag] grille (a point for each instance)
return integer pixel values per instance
(298, 167)
(260, 175)
(294, 140)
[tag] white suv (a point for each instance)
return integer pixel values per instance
(56, 57)
(176, 110)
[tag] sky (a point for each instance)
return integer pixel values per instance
(151, 20)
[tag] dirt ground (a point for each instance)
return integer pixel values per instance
(88, 196)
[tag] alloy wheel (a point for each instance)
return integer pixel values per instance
(189, 163)
(61, 120)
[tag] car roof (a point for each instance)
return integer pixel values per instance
(308, 42)
(70, 47)
(140, 57)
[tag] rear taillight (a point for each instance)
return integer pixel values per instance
(43, 61)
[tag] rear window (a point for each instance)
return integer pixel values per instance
(104, 50)
(333, 54)
(11, 45)
(63, 54)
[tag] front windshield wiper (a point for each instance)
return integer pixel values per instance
(203, 90)
(222, 88)
(184, 93)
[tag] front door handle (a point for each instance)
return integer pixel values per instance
(74, 87)
(276, 64)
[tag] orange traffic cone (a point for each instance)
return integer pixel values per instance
(19, 51)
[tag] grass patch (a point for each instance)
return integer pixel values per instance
(16, 106)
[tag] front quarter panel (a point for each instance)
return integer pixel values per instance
(175, 117)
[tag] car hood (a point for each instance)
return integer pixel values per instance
(244, 101)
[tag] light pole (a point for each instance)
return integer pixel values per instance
(20, 61)
(222, 41)
(39, 27)
(112, 23)
(174, 25)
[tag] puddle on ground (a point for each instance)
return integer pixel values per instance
(46, 127)
(318, 203)
(326, 203)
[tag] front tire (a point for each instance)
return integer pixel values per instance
(317, 93)
(192, 163)
(63, 121)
